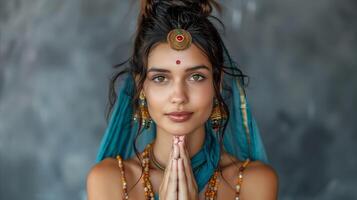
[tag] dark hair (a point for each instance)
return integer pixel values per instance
(156, 19)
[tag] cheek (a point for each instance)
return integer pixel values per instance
(202, 99)
(155, 101)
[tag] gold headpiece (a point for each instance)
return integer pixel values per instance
(179, 39)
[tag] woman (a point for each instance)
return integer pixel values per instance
(191, 124)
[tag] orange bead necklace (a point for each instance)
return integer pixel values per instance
(211, 190)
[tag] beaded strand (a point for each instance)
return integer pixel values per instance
(240, 178)
(149, 194)
(212, 187)
(123, 180)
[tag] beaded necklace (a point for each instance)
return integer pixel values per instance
(211, 190)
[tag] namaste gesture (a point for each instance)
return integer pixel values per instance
(178, 182)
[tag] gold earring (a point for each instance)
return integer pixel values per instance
(217, 115)
(144, 113)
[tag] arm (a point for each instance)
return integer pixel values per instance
(103, 181)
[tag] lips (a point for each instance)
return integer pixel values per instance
(179, 116)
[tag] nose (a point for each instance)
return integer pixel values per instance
(179, 93)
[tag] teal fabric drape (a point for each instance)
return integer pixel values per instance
(241, 138)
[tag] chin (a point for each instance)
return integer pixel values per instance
(180, 130)
(176, 132)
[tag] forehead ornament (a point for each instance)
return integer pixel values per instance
(179, 39)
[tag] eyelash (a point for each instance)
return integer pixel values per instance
(201, 76)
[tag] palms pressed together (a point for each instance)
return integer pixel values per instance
(178, 181)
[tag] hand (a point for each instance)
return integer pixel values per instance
(179, 182)
(168, 188)
(187, 185)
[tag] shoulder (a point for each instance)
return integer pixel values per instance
(260, 181)
(103, 180)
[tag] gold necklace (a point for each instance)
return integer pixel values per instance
(211, 190)
(158, 165)
(210, 193)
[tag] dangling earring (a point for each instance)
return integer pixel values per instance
(216, 115)
(144, 113)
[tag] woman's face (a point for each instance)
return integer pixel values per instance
(178, 81)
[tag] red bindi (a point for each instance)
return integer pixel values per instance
(178, 62)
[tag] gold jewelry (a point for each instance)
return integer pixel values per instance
(179, 39)
(156, 163)
(212, 187)
(217, 116)
(149, 193)
(121, 167)
(144, 113)
(211, 190)
(210, 193)
(240, 178)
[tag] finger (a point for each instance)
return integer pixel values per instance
(186, 166)
(176, 151)
(172, 186)
(182, 182)
(184, 139)
(164, 187)
(166, 183)
(167, 172)
(185, 156)
(169, 163)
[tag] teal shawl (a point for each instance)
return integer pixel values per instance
(241, 138)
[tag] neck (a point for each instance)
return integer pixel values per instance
(163, 144)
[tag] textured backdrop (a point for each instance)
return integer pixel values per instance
(55, 64)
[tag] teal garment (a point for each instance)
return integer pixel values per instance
(241, 138)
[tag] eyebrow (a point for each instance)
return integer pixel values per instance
(156, 69)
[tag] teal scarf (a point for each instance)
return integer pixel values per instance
(241, 138)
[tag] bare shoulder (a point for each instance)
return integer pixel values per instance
(260, 182)
(103, 180)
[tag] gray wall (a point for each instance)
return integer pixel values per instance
(55, 63)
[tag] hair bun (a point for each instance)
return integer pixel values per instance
(202, 7)
(147, 7)
(206, 6)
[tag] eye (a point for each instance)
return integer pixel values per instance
(159, 79)
(197, 77)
